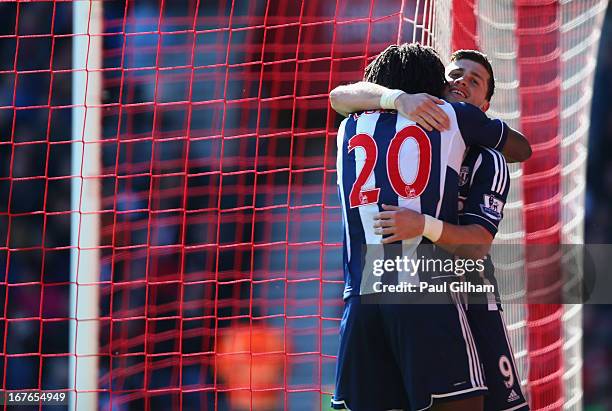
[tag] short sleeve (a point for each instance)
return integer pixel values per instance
(487, 192)
(478, 129)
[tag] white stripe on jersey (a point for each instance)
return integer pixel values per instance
(501, 175)
(339, 142)
(409, 246)
(496, 176)
(499, 180)
(470, 346)
(367, 124)
(504, 171)
(476, 167)
(407, 169)
(454, 151)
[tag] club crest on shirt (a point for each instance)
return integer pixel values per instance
(463, 175)
(492, 207)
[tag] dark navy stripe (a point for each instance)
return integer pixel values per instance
(469, 161)
(354, 267)
(450, 199)
(431, 195)
(384, 132)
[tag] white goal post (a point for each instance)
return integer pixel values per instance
(85, 204)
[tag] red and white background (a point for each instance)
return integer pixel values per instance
(188, 148)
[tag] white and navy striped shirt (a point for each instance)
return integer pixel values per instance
(483, 190)
(385, 158)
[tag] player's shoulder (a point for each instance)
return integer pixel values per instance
(462, 114)
(342, 128)
(488, 156)
(448, 108)
(487, 164)
(372, 114)
(466, 109)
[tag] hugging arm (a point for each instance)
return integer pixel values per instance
(421, 108)
(468, 241)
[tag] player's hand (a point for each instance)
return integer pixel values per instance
(398, 223)
(423, 109)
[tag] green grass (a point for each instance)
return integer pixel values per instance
(326, 402)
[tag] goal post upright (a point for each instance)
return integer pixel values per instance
(85, 204)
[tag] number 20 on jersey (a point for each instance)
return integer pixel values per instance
(359, 197)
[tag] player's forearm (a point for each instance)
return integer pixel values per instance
(356, 97)
(398, 223)
(468, 241)
(517, 148)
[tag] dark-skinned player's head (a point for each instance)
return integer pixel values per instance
(409, 67)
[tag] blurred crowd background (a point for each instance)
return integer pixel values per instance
(37, 126)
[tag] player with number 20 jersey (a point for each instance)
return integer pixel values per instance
(385, 158)
(403, 356)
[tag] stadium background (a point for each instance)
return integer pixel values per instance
(30, 301)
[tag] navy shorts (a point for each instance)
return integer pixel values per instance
(495, 351)
(404, 356)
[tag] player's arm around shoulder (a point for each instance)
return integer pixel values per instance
(397, 223)
(517, 148)
(351, 98)
(421, 108)
(486, 191)
(478, 129)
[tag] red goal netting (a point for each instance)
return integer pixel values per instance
(231, 161)
(178, 244)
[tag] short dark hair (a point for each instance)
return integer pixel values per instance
(481, 59)
(409, 67)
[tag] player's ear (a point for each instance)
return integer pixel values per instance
(485, 106)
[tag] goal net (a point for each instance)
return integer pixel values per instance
(203, 265)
